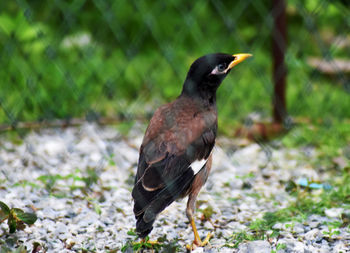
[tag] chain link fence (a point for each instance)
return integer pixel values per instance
(88, 59)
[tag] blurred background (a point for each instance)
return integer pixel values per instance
(65, 63)
(116, 61)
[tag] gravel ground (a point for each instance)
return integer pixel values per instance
(76, 215)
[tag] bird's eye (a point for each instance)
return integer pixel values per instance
(221, 67)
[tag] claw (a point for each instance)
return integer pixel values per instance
(199, 243)
(197, 240)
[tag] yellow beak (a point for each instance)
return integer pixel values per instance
(238, 58)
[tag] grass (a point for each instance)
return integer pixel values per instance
(134, 244)
(74, 180)
(60, 186)
(330, 138)
(306, 203)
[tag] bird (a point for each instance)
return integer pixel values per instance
(175, 156)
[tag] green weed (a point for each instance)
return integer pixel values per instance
(237, 238)
(162, 245)
(279, 246)
(50, 181)
(16, 218)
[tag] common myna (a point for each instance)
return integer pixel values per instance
(176, 151)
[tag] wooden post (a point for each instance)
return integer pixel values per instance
(279, 67)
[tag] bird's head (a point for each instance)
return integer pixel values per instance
(207, 72)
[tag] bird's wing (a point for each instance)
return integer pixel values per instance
(172, 161)
(171, 144)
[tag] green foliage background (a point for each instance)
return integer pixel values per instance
(63, 59)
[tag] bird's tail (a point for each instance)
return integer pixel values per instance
(148, 204)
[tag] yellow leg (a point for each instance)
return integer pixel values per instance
(197, 240)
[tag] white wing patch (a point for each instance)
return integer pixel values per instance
(198, 165)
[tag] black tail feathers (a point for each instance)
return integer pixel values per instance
(143, 228)
(149, 204)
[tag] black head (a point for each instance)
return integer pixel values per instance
(207, 72)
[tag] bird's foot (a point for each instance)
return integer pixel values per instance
(143, 241)
(153, 242)
(146, 244)
(199, 243)
(206, 240)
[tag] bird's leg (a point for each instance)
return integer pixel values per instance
(189, 212)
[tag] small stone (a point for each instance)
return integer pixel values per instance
(307, 229)
(340, 161)
(292, 245)
(339, 247)
(95, 156)
(54, 147)
(334, 212)
(48, 225)
(314, 235)
(63, 237)
(69, 223)
(298, 228)
(61, 228)
(314, 224)
(324, 243)
(49, 213)
(278, 226)
(198, 250)
(69, 243)
(255, 247)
